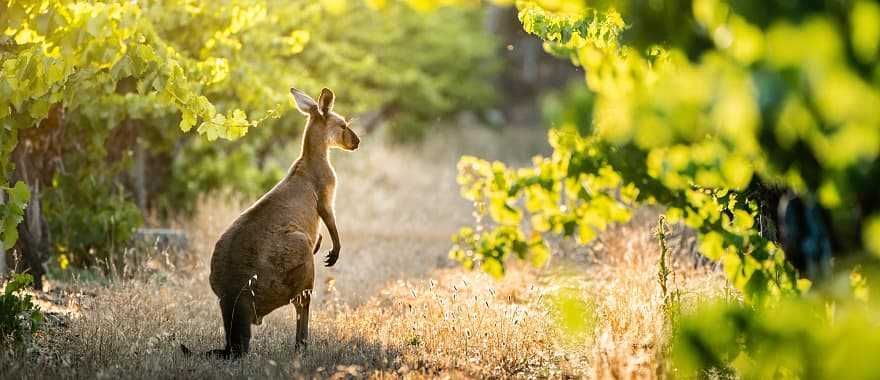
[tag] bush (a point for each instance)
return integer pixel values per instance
(714, 129)
(798, 338)
(19, 317)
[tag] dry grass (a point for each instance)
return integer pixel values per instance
(618, 276)
(394, 306)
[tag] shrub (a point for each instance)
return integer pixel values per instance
(19, 317)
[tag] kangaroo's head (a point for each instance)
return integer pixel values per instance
(327, 126)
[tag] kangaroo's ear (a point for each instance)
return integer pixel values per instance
(304, 103)
(326, 100)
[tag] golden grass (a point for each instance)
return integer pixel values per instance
(618, 276)
(394, 306)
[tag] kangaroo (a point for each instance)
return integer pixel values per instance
(264, 260)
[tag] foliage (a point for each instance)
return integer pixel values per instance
(123, 72)
(77, 55)
(203, 167)
(12, 212)
(19, 317)
(316, 45)
(744, 98)
(797, 338)
(89, 235)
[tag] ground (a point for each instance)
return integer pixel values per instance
(394, 305)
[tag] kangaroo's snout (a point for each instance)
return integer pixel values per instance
(353, 140)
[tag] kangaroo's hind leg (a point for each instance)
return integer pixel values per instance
(238, 314)
(301, 303)
(299, 275)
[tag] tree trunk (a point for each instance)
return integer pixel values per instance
(138, 177)
(32, 247)
(35, 158)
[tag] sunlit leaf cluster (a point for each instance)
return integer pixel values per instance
(77, 55)
(701, 118)
(796, 338)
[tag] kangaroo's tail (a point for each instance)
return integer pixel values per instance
(218, 353)
(318, 244)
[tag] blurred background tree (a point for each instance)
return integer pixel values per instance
(332, 45)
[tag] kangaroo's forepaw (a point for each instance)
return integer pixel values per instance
(331, 258)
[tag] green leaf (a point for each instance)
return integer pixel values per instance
(39, 109)
(10, 235)
(187, 121)
(743, 219)
(756, 287)
(866, 30)
(493, 267)
(95, 24)
(539, 253)
(56, 72)
(20, 195)
(586, 233)
(712, 245)
(540, 223)
(19, 282)
(503, 213)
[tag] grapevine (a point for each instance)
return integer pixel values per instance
(702, 127)
(74, 55)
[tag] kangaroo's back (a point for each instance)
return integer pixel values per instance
(264, 230)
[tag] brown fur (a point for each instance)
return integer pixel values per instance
(265, 259)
